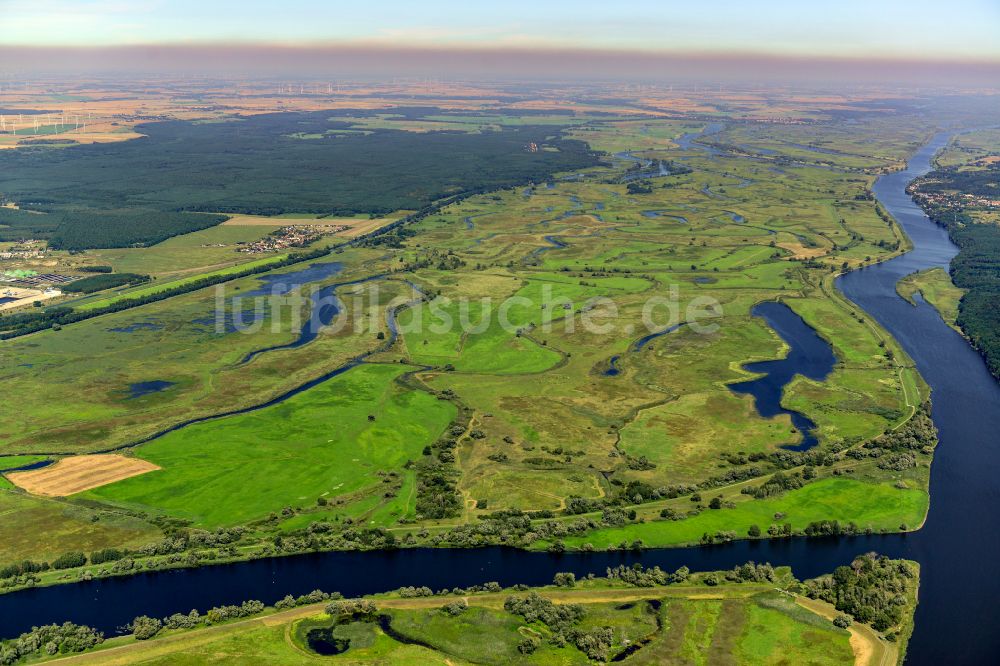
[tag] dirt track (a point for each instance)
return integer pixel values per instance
(869, 648)
(79, 473)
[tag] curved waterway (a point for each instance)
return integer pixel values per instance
(959, 544)
(324, 306)
(809, 355)
(554, 244)
(957, 547)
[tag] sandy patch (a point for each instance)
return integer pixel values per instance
(79, 473)
(863, 648)
(869, 649)
(24, 296)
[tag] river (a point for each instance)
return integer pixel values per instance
(956, 548)
(958, 545)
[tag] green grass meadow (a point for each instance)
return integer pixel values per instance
(320, 443)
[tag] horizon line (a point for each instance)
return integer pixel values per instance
(379, 47)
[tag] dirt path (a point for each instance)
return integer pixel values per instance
(869, 648)
(128, 654)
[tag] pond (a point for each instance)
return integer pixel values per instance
(139, 389)
(809, 355)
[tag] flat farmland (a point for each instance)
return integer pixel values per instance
(78, 473)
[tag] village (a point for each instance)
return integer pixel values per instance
(25, 249)
(291, 236)
(958, 200)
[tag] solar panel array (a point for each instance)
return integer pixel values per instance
(42, 279)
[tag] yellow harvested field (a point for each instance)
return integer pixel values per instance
(359, 227)
(79, 473)
(800, 251)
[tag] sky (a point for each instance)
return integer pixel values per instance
(968, 29)
(958, 31)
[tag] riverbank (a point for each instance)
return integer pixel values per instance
(966, 410)
(747, 612)
(936, 288)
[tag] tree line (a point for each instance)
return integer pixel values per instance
(89, 285)
(976, 267)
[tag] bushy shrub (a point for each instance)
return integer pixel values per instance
(144, 627)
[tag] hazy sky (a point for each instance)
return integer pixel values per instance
(958, 29)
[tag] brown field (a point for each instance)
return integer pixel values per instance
(112, 117)
(79, 473)
(800, 251)
(358, 227)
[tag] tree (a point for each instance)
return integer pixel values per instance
(754, 532)
(455, 607)
(528, 645)
(566, 579)
(842, 621)
(69, 560)
(144, 627)
(595, 643)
